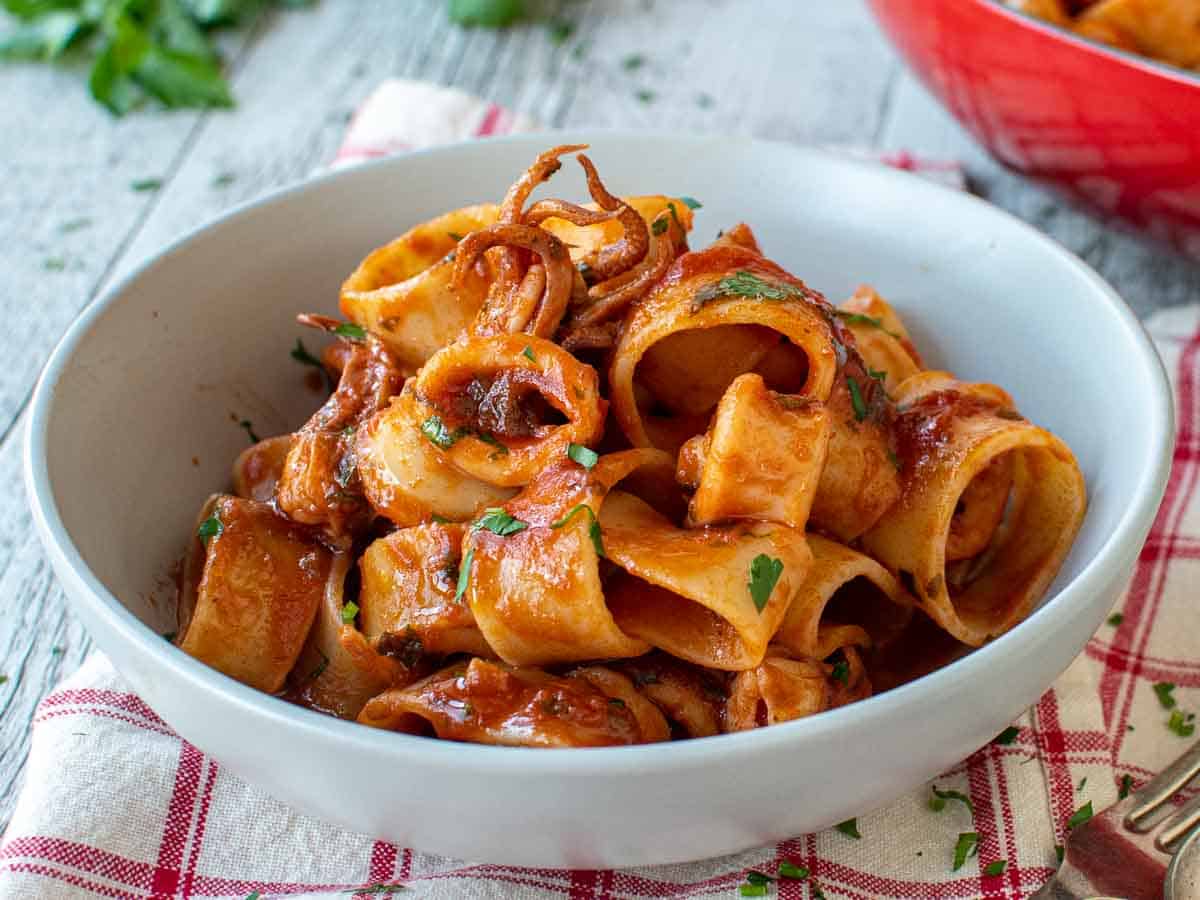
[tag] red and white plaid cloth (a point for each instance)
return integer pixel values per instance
(116, 805)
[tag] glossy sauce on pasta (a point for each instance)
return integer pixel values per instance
(577, 484)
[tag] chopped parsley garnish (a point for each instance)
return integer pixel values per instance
(816, 893)
(488, 13)
(390, 889)
(560, 31)
(248, 427)
(528, 354)
(841, 671)
(74, 225)
(321, 667)
(593, 528)
(968, 845)
(1007, 736)
(169, 636)
(301, 355)
(853, 318)
(658, 226)
(349, 612)
(464, 575)
(3, 679)
(1080, 816)
(1060, 852)
(143, 185)
(350, 331)
(995, 868)
(645, 96)
(582, 455)
(54, 264)
(894, 460)
(856, 398)
(937, 799)
(210, 528)
(756, 884)
(849, 828)
(764, 574)
(491, 441)
(1116, 619)
(225, 179)
(454, 236)
(498, 521)
(675, 216)
(691, 202)
(745, 284)
(1163, 690)
(1182, 724)
(253, 895)
(633, 61)
(1082, 783)
(439, 520)
(705, 101)
(1126, 787)
(877, 375)
(792, 871)
(439, 435)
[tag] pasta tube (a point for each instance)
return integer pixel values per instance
(949, 436)
(717, 314)
(338, 671)
(407, 600)
(252, 585)
(257, 469)
(842, 588)
(761, 458)
(714, 597)
(402, 292)
(532, 569)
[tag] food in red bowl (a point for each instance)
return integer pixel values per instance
(1116, 130)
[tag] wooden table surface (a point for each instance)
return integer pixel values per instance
(809, 71)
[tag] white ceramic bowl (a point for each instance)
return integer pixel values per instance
(150, 375)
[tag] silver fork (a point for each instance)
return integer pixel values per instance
(1124, 851)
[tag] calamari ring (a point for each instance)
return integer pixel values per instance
(503, 371)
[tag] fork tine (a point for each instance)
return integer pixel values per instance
(1178, 825)
(1162, 787)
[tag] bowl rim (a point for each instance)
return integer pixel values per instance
(1147, 64)
(83, 587)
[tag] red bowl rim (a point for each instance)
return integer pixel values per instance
(1173, 73)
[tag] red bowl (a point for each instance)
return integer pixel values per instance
(1118, 132)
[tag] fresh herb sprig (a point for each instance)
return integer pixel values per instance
(139, 49)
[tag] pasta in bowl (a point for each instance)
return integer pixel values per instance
(578, 484)
(142, 406)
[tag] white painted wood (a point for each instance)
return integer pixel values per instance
(807, 71)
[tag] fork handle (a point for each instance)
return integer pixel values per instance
(1159, 789)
